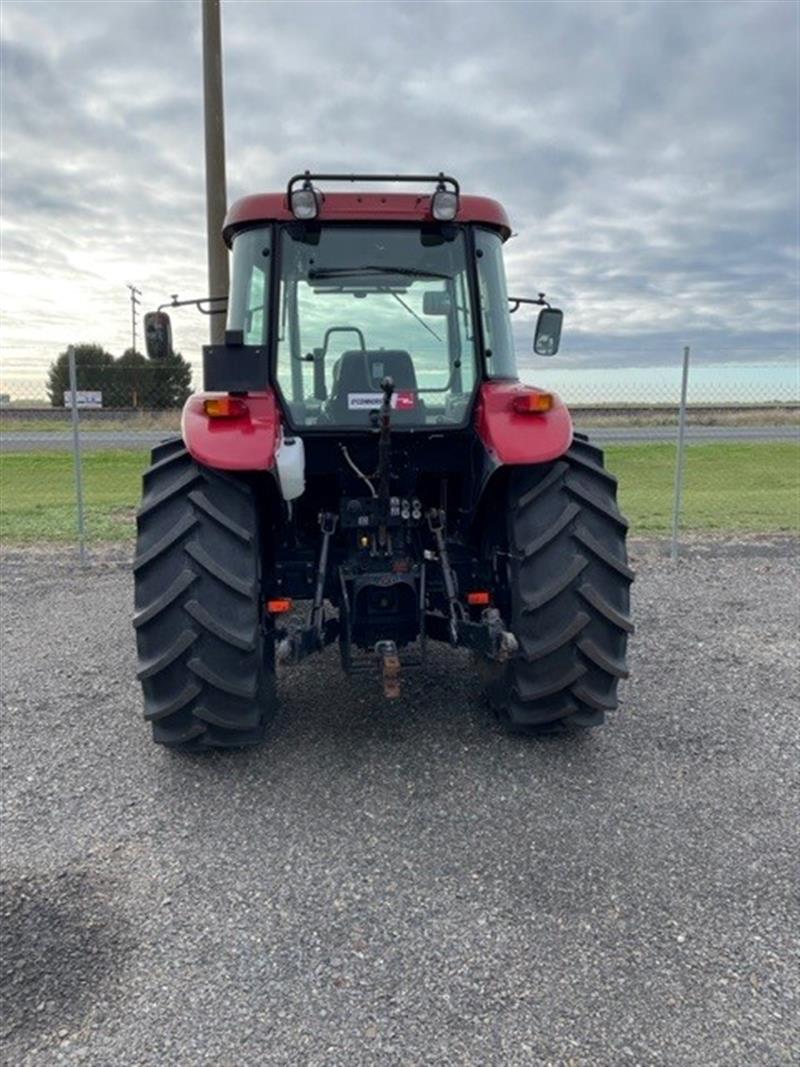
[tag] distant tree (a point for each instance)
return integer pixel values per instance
(170, 381)
(140, 382)
(132, 381)
(91, 363)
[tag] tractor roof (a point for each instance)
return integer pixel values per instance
(364, 207)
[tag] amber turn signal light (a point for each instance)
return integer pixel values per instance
(478, 598)
(532, 403)
(224, 407)
(280, 605)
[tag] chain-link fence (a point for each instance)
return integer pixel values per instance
(75, 474)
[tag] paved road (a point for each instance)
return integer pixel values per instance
(100, 439)
(405, 884)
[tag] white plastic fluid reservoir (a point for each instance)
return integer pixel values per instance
(290, 459)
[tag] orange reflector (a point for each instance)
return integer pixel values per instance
(224, 407)
(478, 597)
(279, 605)
(531, 403)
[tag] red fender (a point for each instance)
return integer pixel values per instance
(248, 441)
(244, 442)
(513, 438)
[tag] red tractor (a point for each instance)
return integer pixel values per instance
(364, 446)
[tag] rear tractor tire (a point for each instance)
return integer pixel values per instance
(206, 660)
(568, 594)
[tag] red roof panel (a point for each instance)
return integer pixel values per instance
(364, 207)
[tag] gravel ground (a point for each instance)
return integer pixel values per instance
(404, 884)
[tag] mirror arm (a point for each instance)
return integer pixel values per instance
(175, 303)
(517, 300)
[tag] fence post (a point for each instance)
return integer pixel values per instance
(676, 507)
(76, 452)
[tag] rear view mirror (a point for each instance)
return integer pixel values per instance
(435, 302)
(548, 332)
(158, 334)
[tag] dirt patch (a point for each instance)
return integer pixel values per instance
(61, 944)
(124, 516)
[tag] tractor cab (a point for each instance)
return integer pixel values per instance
(352, 304)
(332, 293)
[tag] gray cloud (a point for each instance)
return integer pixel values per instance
(646, 153)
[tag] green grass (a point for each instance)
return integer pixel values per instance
(752, 487)
(728, 487)
(37, 495)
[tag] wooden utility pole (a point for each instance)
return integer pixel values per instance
(135, 294)
(216, 194)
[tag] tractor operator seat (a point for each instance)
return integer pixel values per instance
(359, 372)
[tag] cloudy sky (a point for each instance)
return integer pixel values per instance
(646, 152)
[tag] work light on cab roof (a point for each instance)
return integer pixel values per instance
(365, 467)
(306, 202)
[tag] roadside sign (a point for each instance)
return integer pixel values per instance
(84, 398)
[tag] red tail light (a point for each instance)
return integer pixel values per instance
(478, 597)
(279, 605)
